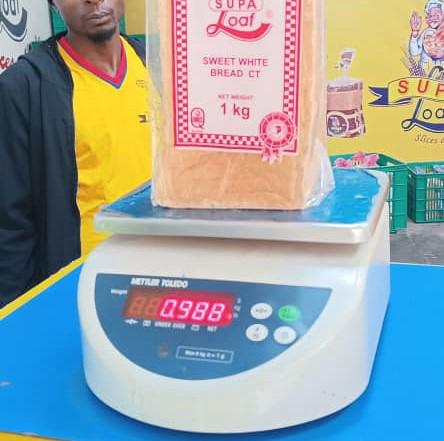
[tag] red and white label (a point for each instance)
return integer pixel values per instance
(236, 75)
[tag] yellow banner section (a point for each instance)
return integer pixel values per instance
(386, 78)
(414, 87)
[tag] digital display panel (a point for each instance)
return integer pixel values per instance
(180, 306)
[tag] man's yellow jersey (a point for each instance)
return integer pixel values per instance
(112, 133)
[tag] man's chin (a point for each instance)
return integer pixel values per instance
(103, 35)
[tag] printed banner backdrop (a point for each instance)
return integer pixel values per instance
(21, 23)
(386, 78)
(382, 69)
(135, 16)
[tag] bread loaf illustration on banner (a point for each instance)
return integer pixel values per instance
(242, 104)
(345, 117)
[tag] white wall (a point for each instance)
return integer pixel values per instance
(21, 22)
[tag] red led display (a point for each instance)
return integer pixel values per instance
(184, 306)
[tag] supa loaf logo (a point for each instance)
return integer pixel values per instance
(238, 19)
(426, 93)
(424, 59)
(13, 19)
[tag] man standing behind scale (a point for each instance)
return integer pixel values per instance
(74, 135)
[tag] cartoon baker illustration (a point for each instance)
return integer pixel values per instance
(428, 45)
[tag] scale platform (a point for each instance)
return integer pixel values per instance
(348, 215)
(234, 321)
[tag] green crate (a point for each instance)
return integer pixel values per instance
(397, 195)
(426, 192)
(58, 25)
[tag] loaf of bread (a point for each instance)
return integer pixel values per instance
(242, 104)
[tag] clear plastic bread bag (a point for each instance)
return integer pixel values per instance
(240, 119)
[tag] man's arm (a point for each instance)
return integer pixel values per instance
(17, 230)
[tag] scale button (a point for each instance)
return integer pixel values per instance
(257, 332)
(289, 313)
(285, 335)
(261, 311)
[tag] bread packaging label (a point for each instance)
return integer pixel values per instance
(242, 86)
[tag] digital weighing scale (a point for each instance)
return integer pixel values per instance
(227, 321)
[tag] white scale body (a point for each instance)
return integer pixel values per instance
(308, 299)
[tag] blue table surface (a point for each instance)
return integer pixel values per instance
(43, 391)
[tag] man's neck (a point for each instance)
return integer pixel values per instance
(104, 55)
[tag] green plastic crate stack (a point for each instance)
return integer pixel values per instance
(426, 191)
(397, 196)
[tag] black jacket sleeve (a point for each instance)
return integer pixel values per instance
(138, 45)
(17, 229)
